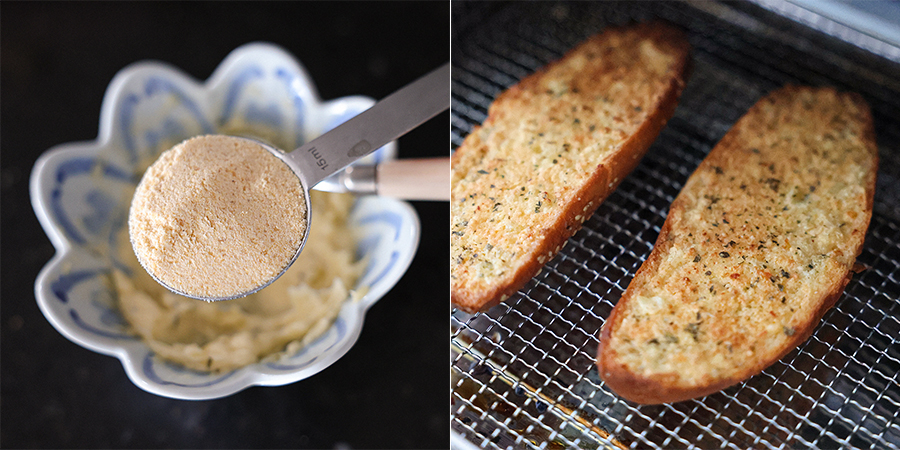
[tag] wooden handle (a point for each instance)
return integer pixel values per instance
(415, 179)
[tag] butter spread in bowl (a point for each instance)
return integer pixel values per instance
(292, 311)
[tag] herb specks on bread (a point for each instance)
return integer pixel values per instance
(552, 148)
(758, 245)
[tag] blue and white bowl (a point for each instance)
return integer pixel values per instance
(81, 193)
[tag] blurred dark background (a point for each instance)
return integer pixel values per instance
(389, 391)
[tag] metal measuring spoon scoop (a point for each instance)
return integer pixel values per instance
(217, 218)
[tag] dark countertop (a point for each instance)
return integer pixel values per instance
(388, 391)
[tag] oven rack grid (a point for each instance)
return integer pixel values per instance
(523, 373)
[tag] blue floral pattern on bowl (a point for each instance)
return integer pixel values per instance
(81, 193)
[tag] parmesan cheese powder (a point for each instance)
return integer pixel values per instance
(217, 216)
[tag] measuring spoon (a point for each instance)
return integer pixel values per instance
(390, 118)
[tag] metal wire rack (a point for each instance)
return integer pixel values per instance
(523, 373)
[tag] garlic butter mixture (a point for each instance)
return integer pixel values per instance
(217, 216)
(279, 319)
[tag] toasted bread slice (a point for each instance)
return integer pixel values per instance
(758, 245)
(551, 150)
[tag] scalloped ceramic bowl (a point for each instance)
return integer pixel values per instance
(81, 193)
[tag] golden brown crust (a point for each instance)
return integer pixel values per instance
(664, 389)
(805, 295)
(538, 242)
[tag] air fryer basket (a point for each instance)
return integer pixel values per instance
(523, 373)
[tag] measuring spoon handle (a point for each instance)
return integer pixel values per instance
(414, 179)
(390, 118)
(406, 179)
